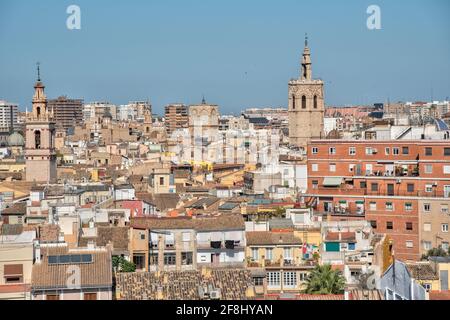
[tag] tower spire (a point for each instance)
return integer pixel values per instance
(306, 39)
(38, 64)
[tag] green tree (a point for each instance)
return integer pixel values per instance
(435, 252)
(120, 264)
(324, 280)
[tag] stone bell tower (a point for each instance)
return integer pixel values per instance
(306, 104)
(40, 131)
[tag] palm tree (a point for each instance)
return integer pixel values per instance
(324, 280)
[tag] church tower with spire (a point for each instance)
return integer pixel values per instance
(40, 131)
(306, 106)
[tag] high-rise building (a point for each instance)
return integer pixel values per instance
(40, 131)
(176, 117)
(67, 112)
(306, 105)
(134, 111)
(8, 116)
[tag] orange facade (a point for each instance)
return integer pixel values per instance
(379, 181)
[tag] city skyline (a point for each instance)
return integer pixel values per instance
(236, 65)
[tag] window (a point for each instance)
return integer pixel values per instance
(258, 281)
(409, 226)
(387, 151)
(372, 206)
(351, 167)
(90, 296)
(161, 181)
(255, 254)
(405, 150)
(368, 169)
(363, 184)
(389, 225)
(315, 150)
(426, 207)
(428, 168)
(273, 279)
(186, 236)
(444, 208)
(446, 169)
(290, 279)
(444, 227)
(409, 244)
(315, 167)
(389, 206)
(169, 259)
(303, 102)
(427, 227)
(369, 151)
(352, 151)
(332, 150)
(444, 245)
(427, 245)
(373, 223)
(427, 286)
(142, 236)
(332, 167)
(13, 273)
(446, 151)
(186, 258)
(428, 188)
(315, 184)
(303, 276)
(395, 151)
(52, 297)
(287, 253)
(315, 102)
(408, 206)
(428, 151)
(410, 187)
(293, 102)
(352, 246)
(269, 253)
(374, 187)
(37, 139)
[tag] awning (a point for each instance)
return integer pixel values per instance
(332, 181)
(342, 201)
(359, 201)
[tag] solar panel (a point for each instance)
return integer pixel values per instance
(76, 258)
(64, 259)
(86, 257)
(52, 259)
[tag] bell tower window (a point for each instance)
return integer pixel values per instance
(38, 111)
(293, 102)
(37, 139)
(303, 102)
(315, 102)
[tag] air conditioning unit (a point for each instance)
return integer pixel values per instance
(215, 295)
(374, 151)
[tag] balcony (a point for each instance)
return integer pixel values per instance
(365, 192)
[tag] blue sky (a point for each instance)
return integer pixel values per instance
(238, 53)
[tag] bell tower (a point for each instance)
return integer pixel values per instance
(40, 131)
(306, 104)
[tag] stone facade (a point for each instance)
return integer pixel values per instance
(306, 105)
(40, 139)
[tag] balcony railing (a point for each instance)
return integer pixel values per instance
(366, 192)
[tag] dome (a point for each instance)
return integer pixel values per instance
(16, 140)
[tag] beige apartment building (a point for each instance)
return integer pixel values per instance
(434, 221)
(16, 262)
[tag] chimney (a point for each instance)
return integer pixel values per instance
(37, 252)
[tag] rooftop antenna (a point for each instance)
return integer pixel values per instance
(306, 39)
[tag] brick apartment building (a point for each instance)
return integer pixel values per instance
(401, 187)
